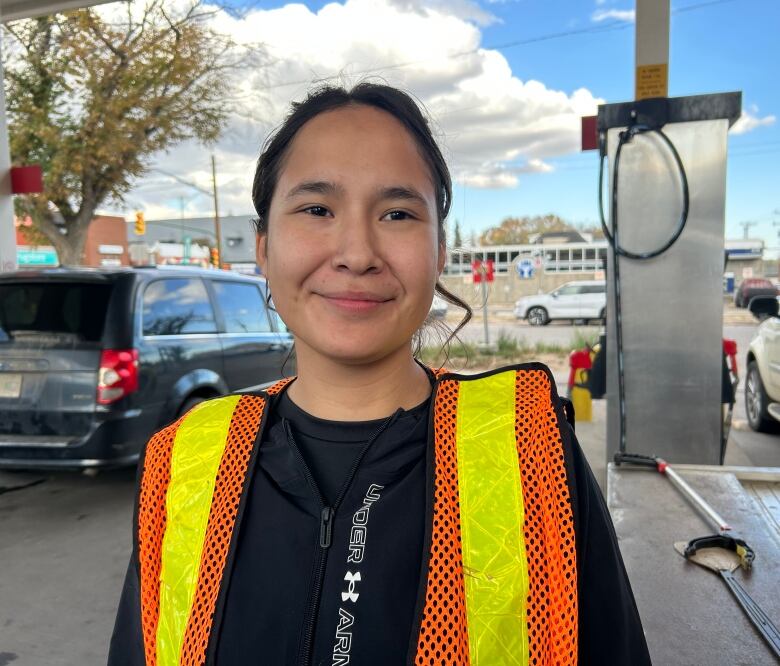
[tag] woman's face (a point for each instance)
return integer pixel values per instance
(352, 253)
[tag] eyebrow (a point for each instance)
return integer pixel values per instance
(328, 188)
(403, 193)
(315, 187)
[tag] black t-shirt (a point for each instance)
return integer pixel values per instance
(330, 448)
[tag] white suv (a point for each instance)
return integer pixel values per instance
(586, 299)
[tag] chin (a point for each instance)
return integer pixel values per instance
(357, 355)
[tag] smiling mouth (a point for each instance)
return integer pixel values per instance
(355, 303)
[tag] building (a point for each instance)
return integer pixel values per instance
(553, 264)
(237, 231)
(106, 244)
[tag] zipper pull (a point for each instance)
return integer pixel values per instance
(326, 526)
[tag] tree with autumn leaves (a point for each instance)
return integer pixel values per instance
(91, 96)
(520, 230)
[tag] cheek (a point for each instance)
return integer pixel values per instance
(291, 255)
(417, 267)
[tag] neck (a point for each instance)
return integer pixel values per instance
(329, 389)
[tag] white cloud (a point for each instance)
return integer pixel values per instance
(627, 15)
(749, 120)
(493, 126)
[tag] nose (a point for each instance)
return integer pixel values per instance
(357, 246)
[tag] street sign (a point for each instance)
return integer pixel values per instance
(482, 271)
(525, 269)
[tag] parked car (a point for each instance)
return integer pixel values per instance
(586, 299)
(762, 380)
(93, 361)
(752, 287)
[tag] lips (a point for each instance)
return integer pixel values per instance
(355, 301)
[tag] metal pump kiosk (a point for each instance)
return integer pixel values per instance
(663, 205)
(671, 305)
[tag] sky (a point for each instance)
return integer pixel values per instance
(505, 83)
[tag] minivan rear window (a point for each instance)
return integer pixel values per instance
(74, 309)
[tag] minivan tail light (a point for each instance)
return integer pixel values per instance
(118, 375)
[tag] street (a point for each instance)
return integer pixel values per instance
(66, 536)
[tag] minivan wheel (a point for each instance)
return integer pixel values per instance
(537, 316)
(756, 400)
(189, 403)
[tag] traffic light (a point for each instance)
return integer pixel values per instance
(140, 224)
(215, 257)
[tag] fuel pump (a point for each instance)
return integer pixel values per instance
(663, 165)
(666, 192)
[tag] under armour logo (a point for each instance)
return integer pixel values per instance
(352, 579)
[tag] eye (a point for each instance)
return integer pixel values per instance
(317, 211)
(396, 215)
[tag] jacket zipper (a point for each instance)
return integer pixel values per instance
(327, 516)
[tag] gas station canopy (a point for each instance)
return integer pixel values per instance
(11, 10)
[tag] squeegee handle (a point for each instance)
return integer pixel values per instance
(713, 516)
(757, 616)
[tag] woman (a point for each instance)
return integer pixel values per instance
(370, 511)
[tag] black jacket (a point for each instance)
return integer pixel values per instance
(290, 598)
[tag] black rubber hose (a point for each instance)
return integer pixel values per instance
(619, 251)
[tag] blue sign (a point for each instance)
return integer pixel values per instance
(36, 257)
(525, 269)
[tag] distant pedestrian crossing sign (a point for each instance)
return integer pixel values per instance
(525, 269)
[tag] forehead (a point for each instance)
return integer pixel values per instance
(356, 145)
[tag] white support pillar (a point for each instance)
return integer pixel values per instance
(652, 49)
(7, 231)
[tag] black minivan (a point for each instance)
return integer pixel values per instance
(93, 361)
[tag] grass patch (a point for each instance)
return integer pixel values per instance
(580, 339)
(505, 350)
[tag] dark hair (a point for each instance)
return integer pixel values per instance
(398, 104)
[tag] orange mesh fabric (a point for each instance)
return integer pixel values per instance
(443, 638)
(151, 528)
(228, 488)
(551, 607)
(276, 388)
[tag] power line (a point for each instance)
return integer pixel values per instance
(603, 27)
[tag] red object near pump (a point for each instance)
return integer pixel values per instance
(579, 359)
(730, 352)
(27, 179)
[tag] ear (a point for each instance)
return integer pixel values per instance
(261, 252)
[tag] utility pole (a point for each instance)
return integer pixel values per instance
(7, 229)
(745, 227)
(217, 226)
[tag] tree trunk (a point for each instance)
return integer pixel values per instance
(70, 246)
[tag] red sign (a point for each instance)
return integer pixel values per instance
(27, 179)
(482, 270)
(590, 134)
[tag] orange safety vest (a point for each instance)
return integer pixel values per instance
(501, 577)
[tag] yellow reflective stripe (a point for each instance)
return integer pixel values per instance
(197, 451)
(491, 518)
